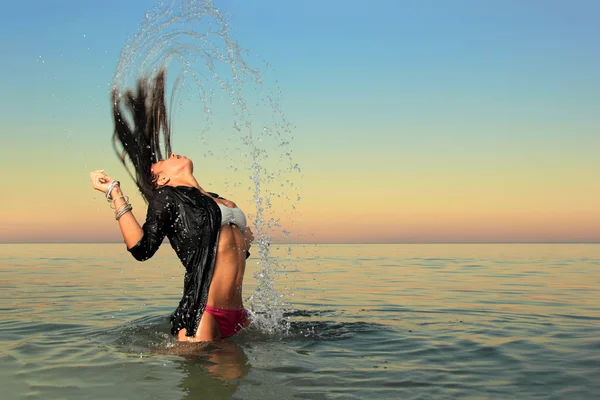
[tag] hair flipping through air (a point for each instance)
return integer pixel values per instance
(140, 119)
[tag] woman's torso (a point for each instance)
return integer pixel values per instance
(192, 210)
(226, 286)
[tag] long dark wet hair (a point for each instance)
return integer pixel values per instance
(140, 120)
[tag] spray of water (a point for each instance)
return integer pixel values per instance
(193, 40)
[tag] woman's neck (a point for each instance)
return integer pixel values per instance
(185, 180)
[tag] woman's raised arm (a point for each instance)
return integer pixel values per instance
(142, 242)
(130, 228)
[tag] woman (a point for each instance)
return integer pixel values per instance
(207, 232)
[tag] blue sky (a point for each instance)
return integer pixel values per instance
(377, 62)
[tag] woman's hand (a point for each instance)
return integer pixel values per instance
(100, 181)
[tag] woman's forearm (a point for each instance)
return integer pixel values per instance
(130, 229)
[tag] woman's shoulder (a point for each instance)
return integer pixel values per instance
(172, 194)
(162, 191)
(165, 194)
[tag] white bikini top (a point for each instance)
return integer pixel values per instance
(233, 216)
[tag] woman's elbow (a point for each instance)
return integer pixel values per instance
(140, 257)
(140, 253)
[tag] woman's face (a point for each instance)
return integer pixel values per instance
(173, 167)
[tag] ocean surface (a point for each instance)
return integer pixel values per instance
(398, 321)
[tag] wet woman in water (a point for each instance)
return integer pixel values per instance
(207, 232)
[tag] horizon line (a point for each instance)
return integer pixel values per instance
(295, 243)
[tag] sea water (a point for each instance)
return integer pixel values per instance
(460, 321)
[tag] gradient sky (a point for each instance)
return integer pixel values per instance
(415, 121)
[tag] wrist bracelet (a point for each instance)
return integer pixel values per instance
(110, 188)
(123, 211)
(120, 197)
(121, 207)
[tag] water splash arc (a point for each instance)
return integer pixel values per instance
(193, 41)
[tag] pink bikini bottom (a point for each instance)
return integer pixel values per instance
(230, 320)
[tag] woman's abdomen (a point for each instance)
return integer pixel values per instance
(226, 285)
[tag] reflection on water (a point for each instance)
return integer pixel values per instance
(199, 362)
(368, 321)
(210, 371)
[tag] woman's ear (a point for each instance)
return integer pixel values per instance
(162, 180)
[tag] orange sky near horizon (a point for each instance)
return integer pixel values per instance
(449, 206)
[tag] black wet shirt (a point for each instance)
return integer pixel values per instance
(191, 221)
